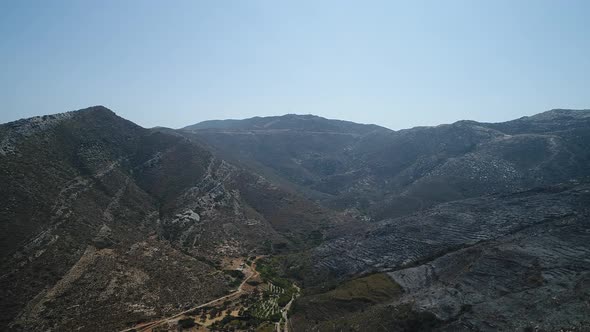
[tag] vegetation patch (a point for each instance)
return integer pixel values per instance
(186, 323)
(374, 288)
(350, 296)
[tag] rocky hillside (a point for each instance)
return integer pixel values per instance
(289, 122)
(479, 226)
(507, 262)
(377, 173)
(105, 224)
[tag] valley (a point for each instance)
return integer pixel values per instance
(257, 303)
(294, 223)
(295, 166)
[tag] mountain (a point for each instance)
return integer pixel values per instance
(377, 173)
(500, 262)
(294, 222)
(464, 220)
(290, 122)
(105, 221)
(297, 150)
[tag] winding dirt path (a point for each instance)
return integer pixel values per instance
(285, 313)
(147, 327)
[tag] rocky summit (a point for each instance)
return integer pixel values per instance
(294, 223)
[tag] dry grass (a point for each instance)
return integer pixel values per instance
(373, 288)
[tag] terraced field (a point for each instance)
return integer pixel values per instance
(266, 309)
(487, 264)
(404, 241)
(258, 303)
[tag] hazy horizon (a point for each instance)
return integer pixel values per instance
(398, 65)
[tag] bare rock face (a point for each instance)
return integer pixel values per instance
(447, 227)
(22, 129)
(532, 278)
(103, 238)
(501, 262)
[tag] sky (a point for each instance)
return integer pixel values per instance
(396, 64)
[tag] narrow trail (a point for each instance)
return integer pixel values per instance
(285, 312)
(146, 327)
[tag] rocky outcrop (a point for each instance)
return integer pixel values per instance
(501, 262)
(534, 278)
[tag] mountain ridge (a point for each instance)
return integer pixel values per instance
(304, 122)
(104, 220)
(243, 123)
(93, 203)
(395, 165)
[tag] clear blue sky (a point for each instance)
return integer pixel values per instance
(397, 64)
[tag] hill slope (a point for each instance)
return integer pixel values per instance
(501, 262)
(468, 219)
(105, 221)
(443, 228)
(379, 173)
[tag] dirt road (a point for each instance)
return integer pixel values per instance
(147, 327)
(285, 313)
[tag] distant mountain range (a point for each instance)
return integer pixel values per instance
(465, 226)
(379, 173)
